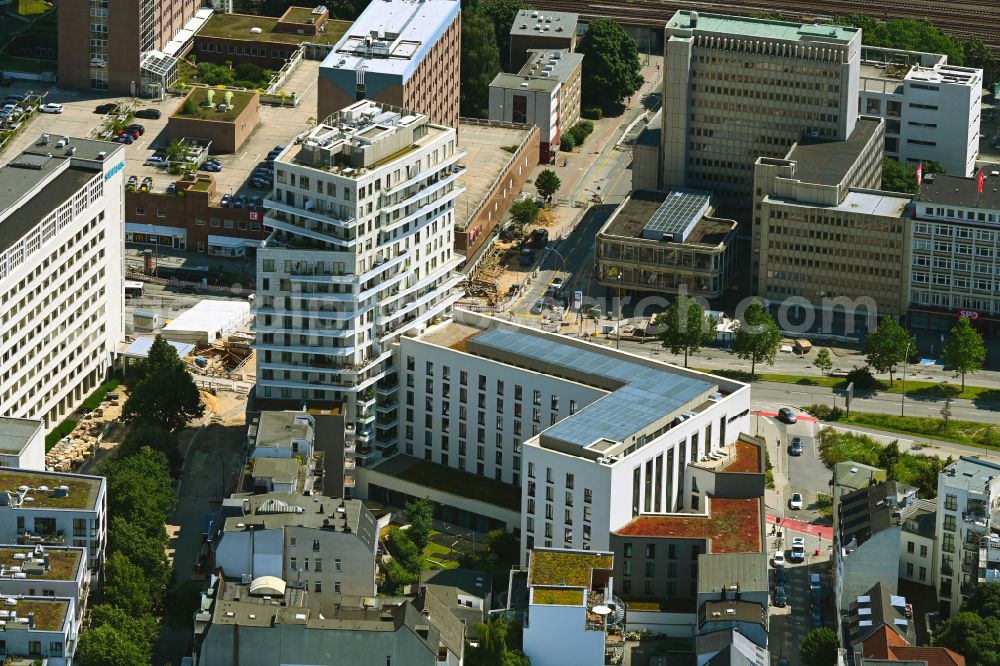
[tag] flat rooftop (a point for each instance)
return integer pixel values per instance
(393, 36)
(744, 26)
(50, 614)
(240, 26)
(30, 489)
(278, 429)
(565, 568)
(453, 481)
(525, 82)
(16, 181)
(959, 191)
(535, 22)
(883, 204)
(488, 151)
(734, 611)
(745, 460)
(970, 473)
(24, 562)
(827, 162)
(279, 510)
(717, 572)
(731, 526)
(647, 212)
(16, 433)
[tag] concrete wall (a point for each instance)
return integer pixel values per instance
(520, 44)
(226, 137)
(674, 625)
(876, 560)
(915, 559)
(556, 636)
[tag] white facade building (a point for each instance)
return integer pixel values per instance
(53, 509)
(41, 628)
(46, 571)
(570, 425)
(22, 443)
(361, 252)
(61, 284)
(932, 109)
(917, 548)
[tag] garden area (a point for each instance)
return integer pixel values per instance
(243, 75)
(970, 433)
(196, 105)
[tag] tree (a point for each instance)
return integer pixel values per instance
(823, 361)
(547, 184)
(480, 64)
(125, 586)
(165, 395)
(524, 211)
(611, 67)
(887, 346)
(819, 648)
(494, 646)
(403, 550)
(964, 352)
(757, 336)
(145, 547)
(139, 487)
(907, 34)
(143, 629)
(898, 177)
(420, 515)
(685, 327)
(946, 411)
(888, 459)
(984, 600)
(142, 435)
(176, 151)
(978, 55)
(397, 577)
(975, 637)
(108, 645)
(501, 13)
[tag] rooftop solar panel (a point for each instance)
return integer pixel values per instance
(677, 215)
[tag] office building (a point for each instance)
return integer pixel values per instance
(568, 594)
(954, 246)
(22, 443)
(61, 286)
(46, 571)
(826, 235)
(360, 252)
(54, 509)
(319, 544)
(968, 492)
(918, 549)
(866, 545)
(886, 645)
(402, 53)
(646, 160)
(545, 92)
(267, 622)
(737, 88)
(669, 243)
(932, 109)
(124, 46)
(534, 29)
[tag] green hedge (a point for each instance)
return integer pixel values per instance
(95, 399)
(60, 431)
(567, 143)
(592, 112)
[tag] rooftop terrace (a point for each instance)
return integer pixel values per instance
(565, 568)
(732, 526)
(49, 614)
(29, 489)
(240, 26)
(453, 481)
(64, 563)
(197, 109)
(746, 459)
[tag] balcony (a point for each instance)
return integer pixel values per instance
(30, 538)
(977, 520)
(386, 406)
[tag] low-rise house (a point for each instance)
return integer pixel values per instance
(22, 443)
(53, 509)
(747, 618)
(469, 593)
(875, 610)
(52, 571)
(729, 647)
(885, 645)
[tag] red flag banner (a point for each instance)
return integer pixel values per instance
(980, 177)
(920, 173)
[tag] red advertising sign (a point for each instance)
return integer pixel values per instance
(254, 216)
(971, 315)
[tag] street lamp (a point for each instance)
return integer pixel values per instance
(902, 395)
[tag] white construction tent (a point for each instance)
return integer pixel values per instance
(208, 321)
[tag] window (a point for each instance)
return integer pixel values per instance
(951, 502)
(923, 573)
(628, 550)
(650, 569)
(627, 568)
(650, 551)
(949, 523)
(672, 570)
(319, 586)
(519, 109)
(910, 546)
(909, 569)
(650, 586)
(923, 551)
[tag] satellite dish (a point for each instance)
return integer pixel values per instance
(601, 610)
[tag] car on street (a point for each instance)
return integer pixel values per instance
(798, 549)
(817, 619)
(6, 80)
(795, 503)
(537, 308)
(787, 415)
(796, 448)
(783, 661)
(779, 577)
(148, 114)
(555, 285)
(780, 598)
(51, 107)
(226, 200)
(779, 559)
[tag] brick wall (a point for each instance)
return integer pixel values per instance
(219, 50)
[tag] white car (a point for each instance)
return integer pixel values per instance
(796, 502)
(798, 549)
(51, 108)
(153, 160)
(779, 559)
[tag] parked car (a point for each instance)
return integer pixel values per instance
(256, 201)
(211, 166)
(240, 201)
(795, 503)
(787, 415)
(537, 308)
(556, 285)
(172, 188)
(156, 160)
(260, 184)
(51, 107)
(527, 257)
(780, 598)
(817, 618)
(538, 238)
(779, 577)
(132, 183)
(105, 109)
(147, 184)
(277, 149)
(226, 200)
(779, 559)
(135, 128)
(125, 138)
(150, 114)
(6, 80)
(796, 448)
(798, 549)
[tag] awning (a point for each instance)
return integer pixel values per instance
(158, 229)
(140, 348)
(226, 241)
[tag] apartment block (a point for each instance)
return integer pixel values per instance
(932, 110)
(321, 545)
(736, 89)
(401, 53)
(46, 571)
(918, 554)
(360, 252)
(533, 29)
(569, 596)
(122, 45)
(667, 242)
(22, 443)
(545, 92)
(826, 235)
(273, 623)
(954, 246)
(61, 285)
(40, 630)
(54, 509)
(968, 520)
